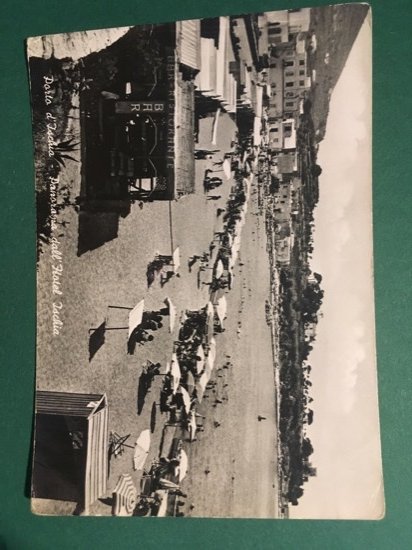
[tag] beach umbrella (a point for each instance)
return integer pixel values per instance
(209, 365)
(162, 510)
(227, 168)
(200, 363)
(172, 314)
(175, 372)
(210, 313)
(176, 259)
(141, 450)
(167, 484)
(186, 398)
(209, 308)
(135, 317)
(221, 308)
(219, 269)
(192, 425)
(201, 385)
(124, 496)
(212, 348)
(190, 382)
(183, 465)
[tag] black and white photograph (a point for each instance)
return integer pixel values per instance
(205, 301)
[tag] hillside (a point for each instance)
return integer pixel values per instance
(336, 29)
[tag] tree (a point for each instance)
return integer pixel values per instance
(307, 448)
(316, 170)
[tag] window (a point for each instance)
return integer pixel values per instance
(289, 84)
(289, 63)
(301, 82)
(272, 66)
(289, 103)
(275, 30)
(289, 73)
(301, 73)
(301, 62)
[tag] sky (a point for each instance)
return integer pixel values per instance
(345, 432)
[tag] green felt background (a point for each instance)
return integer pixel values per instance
(392, 23)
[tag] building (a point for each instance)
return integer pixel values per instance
(278, 27)
(284, 25)
(282, 135)
(287, 163)
(70, 461)
(288, 73)
(299, 20)
(215, 79)
(310, 331)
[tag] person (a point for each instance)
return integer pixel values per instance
(192, 260)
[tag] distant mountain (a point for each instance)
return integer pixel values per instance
(336, 29)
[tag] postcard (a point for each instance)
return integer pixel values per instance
(205, 303)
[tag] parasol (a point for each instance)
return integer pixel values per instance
(141, 450)
(172, 314)
(192, 426)
(221, 309)
(124, 496)
(183, 465)
(186, 398)
(175, 372)
(227, 168)
(176, 260)
(135, 317)
(219, 269)
(200, 363)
